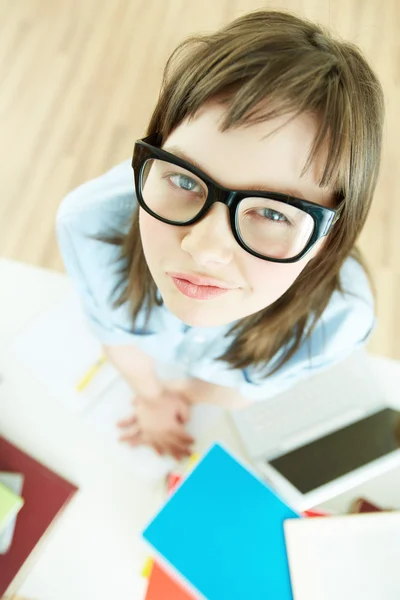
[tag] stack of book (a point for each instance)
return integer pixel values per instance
(31, 498)
(223, 533)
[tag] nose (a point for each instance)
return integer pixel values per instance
(210, 241)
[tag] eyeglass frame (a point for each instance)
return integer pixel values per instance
(323, 217)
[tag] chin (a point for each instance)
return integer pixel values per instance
(195, 315)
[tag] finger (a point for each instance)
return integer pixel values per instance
(183, 413)
(132, 440)
(178, 430)
(175, 437)
(155, 443)
(130, 432)
(128, 436)
(158, 449)
(177, 442)
(176, 455)
(178, 451)
(167, 445)
(181, 437)
(135, 441)
(128, 422)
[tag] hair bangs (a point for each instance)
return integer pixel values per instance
(259, 100)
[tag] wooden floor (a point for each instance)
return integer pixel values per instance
(79, 80)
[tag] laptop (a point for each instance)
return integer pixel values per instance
(326, 435)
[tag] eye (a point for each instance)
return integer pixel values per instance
(184, 182)
(273, 215)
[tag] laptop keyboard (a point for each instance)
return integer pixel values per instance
(327, 401)
(272, 428)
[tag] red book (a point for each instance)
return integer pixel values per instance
(313, 512)
(45, 494)
(361, 505)
(163, 587)
(173, 479)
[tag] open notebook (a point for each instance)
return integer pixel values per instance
(58, 347)
(351, 557)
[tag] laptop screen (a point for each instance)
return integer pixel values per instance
(343, 451)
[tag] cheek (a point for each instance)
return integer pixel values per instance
(272, 280)
(157, 237)
(269, 281)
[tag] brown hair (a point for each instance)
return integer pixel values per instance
(298, 67)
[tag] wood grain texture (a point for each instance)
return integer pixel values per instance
(78, 83)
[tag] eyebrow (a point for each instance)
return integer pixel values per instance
(254, 188)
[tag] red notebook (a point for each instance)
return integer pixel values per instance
(163, 587)
(45, 494)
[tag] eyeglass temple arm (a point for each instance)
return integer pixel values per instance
(339, 211)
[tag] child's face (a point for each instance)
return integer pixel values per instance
(238, 159)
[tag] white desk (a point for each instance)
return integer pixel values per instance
(95, 551)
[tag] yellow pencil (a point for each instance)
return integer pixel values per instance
(192, 460)
(147, 568)
(87, 378)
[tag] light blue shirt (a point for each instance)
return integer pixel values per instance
(104, 206)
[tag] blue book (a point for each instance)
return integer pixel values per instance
(222, 531)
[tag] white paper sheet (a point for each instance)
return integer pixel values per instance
(59, 348)
(353, 557)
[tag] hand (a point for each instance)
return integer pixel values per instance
(159, 423)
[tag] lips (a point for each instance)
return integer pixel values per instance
(198, 287)
(202, 280)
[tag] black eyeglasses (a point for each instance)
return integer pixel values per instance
(269, 225)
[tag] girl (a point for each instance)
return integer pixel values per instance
(234, 257)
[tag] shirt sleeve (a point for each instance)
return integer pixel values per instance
(103, 206)
(345, 325)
